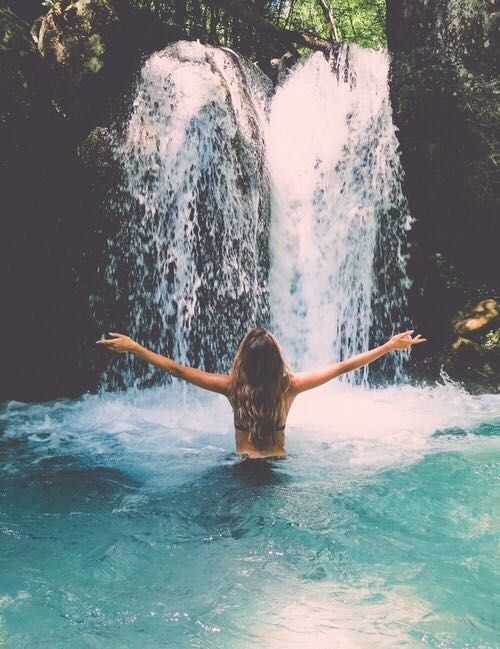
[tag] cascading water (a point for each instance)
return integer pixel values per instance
(339, 217)
(191, 258)
(218, 175)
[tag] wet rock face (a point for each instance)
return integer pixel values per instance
(48, 219)
(63, 80)
(445, 88)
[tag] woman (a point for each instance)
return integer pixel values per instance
(260, 386)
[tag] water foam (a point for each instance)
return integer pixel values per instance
(350, 429)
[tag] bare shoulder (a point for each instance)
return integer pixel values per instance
(207, 380)
(295, 385)
(301, 381)
(223, 382)
(226, 383)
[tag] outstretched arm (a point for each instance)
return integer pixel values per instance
(207, 380)
(302, 381)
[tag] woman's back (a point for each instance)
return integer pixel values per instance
(245, 447)
(260, 395)
(275, 448)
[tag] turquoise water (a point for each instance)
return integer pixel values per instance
(126, 520)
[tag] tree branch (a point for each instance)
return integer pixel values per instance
(330, 17)
(239, 9)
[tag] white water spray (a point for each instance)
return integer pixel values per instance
(336, 196)
(209, 159)
(191, 257)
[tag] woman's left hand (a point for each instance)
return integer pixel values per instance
(404, 340)
(119, 343)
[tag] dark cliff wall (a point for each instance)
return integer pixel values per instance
(41, 224)
(61, 78)
(445, 90)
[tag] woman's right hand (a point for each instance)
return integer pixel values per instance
(404, 340)
(119, 343)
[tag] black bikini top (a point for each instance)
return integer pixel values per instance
(239, 426)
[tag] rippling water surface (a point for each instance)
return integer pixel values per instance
(126, 520)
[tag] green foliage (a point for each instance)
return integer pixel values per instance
(50, 4)
(359, 21)
(492, 339)
(362, 21)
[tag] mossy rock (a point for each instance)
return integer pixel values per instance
(75, 37)
(479, 319)
(474, 356)
(93, 49)
(444, 89)
(475, 365)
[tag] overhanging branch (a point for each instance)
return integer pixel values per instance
(330, 17)
(286, 37)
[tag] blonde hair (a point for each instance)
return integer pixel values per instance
(260, 383)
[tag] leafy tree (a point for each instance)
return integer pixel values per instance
(238, 23)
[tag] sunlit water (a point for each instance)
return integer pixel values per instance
(127, 521)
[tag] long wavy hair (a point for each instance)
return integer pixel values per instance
(260, 382)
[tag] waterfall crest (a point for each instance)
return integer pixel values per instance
(239, 207)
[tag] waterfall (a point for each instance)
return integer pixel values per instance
(191, 259)
(239, 207)
(339, 217)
